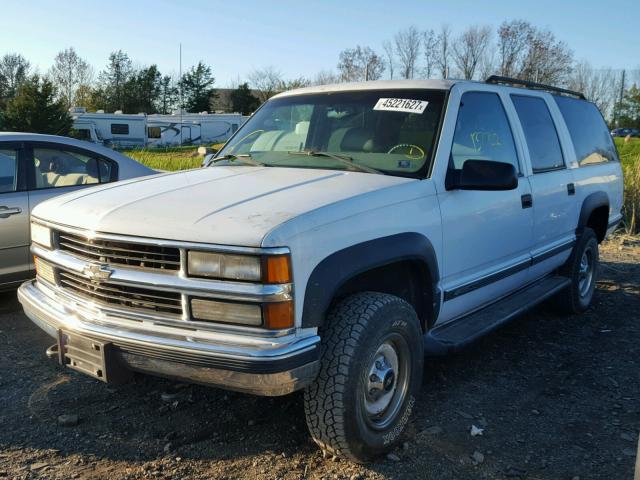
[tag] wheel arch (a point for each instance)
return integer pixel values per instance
(404, 265)
(594, 214)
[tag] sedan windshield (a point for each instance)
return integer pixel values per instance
(389, 132)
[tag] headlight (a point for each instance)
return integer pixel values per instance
(41, 235)
(249, 268)
(231, 267)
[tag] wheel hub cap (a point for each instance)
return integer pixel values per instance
(585, 273)
(381, 383)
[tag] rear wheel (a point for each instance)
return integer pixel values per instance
(582, 270)
(372, 360)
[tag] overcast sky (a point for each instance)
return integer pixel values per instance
(298, 37)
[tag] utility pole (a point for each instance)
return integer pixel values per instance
(181, 98)
(620, 97)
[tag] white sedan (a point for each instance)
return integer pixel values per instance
(34, 168)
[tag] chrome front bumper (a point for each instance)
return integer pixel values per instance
(262, 366)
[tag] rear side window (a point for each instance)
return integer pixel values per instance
(589, 134)
(56, 167)
(540, 133)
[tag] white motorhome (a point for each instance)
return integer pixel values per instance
(111, 129)
(120, 130)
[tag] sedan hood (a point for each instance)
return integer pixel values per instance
(225, 205)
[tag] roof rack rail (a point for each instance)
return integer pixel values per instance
(533, 85)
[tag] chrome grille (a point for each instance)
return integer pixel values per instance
(135, 298)
(120, 253)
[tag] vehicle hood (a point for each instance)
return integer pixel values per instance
(232, 205)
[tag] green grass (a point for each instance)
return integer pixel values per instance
(169, 158)
(630, 157)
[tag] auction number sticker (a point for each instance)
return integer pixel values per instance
(401, 105)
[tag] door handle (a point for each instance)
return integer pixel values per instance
(6, 212)
(527, 200)
(571, 189)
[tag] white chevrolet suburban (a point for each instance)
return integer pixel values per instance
(340, 235)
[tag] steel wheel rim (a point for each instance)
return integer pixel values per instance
(386, 382)
(585, 272)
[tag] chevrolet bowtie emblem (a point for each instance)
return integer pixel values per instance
(96, 271)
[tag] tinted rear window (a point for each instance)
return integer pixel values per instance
(540, 133)
(591, 138)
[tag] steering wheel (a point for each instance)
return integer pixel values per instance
(414, 152)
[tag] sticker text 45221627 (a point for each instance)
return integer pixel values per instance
(401, 105)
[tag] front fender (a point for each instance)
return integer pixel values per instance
(335, 270)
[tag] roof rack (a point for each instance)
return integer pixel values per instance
(533, 85)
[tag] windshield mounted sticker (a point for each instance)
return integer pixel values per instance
(401, 105)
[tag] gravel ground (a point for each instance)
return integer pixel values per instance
(553, 397)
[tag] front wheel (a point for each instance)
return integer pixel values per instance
(371, 371)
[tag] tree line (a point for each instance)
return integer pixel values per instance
(31, 101)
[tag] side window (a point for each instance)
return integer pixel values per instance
(8, 170)
(154, 132)
(539, 132)
(482, 131)
(56, 167)
(120, 129)
(589, 134)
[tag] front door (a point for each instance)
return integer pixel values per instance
(14, 216)
(486, 234)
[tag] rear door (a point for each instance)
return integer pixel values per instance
(552, 183)
(14, 216)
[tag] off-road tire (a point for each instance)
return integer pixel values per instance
(353, 332)
(570, 300)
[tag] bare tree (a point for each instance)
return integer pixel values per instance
(470, 48)
(360, 63)
(444, 51)
(513, 40)
(14, 69)
(266, 82)
(407, 43)
(325, 77)
(531, 54)
(430, 52)
(598, 85)
(68, 73)
(389, 52)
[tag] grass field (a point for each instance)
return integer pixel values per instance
(630, 158)
(170, 158)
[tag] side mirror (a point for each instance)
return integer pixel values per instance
(485, 175)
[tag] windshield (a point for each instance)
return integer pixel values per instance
(376, 131)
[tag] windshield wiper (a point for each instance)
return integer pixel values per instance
(345, 159)
(243, 157)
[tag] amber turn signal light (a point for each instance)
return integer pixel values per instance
(277, 269)
(278, 315)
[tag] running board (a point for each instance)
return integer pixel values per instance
(455, 335)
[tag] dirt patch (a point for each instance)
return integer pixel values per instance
(554, 398)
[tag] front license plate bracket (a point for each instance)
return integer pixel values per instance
(91, 357)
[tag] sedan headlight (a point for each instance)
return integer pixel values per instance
(41, 235)
(248, 268)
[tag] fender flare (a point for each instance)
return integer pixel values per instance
(589, 204)
(335, 270)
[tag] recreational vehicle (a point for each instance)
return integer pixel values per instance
(118, 130)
